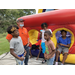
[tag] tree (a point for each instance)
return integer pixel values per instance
(8, 17)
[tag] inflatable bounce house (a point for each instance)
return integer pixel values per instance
(56, 20)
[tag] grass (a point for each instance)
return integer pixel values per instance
(4, 44)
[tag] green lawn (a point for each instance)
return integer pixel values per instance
(4, 44)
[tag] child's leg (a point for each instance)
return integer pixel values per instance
(38, 54)
(64, 57)
(57, 54)
(43, 50)
(50, 61)
(65, 53)
(59, 50)
(30, 52)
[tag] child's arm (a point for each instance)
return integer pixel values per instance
(40, 34)
(53, 51)
(50, 55)
(51, 32)
(12, 52)
(57, 45)
(45, 55)
(25, 52)
(64, 45)
(8, 40)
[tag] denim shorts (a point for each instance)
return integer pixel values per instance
(19, 62)
(50, 61)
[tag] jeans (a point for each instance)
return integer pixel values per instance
(27, 55)
(50, 61)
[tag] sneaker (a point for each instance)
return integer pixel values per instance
(56, 63)
(43, 61)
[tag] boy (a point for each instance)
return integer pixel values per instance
(50, 48)
(63, 43)
(16, 45)
(44, 28)
(37, 45)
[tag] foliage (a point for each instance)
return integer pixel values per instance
(9, 16)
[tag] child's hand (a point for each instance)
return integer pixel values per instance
(25, 53)
(57, 47)
(27, 44)
(61, 44)
(21, 58)
(47, 57)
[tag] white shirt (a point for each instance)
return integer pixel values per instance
(43, 40)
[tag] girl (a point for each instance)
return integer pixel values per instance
(44, 28)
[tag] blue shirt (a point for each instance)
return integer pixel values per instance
(64, 41)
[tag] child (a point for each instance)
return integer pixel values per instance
(37, 45)
(50, 49)
(44, 28)
(16, 45)
(63, 43)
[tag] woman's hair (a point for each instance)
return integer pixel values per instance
(63, 31)
(42, 25)
(12, 28)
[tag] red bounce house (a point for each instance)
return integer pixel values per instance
(56, 20)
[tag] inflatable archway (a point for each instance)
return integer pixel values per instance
(56, 20)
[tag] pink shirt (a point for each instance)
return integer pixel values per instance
(49, 47)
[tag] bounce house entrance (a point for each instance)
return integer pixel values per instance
(33, 36)
(57, 34)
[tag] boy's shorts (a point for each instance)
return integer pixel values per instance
(63, 49)
(19, 62)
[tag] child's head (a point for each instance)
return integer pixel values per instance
(13, 30)
(44, 25)
(63, 32)
(47, 35)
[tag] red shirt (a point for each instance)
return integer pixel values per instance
(39, 43)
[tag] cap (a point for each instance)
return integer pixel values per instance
(21, 20)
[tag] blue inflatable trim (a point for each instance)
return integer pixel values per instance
(35, 53)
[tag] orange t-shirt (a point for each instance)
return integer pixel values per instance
(23, 33)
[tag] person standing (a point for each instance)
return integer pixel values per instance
(23, 33)
(50, 48)
(16, 45)
(44, 28)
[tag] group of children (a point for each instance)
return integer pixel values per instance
(47, 46)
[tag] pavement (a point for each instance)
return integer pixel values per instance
(8, 59)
